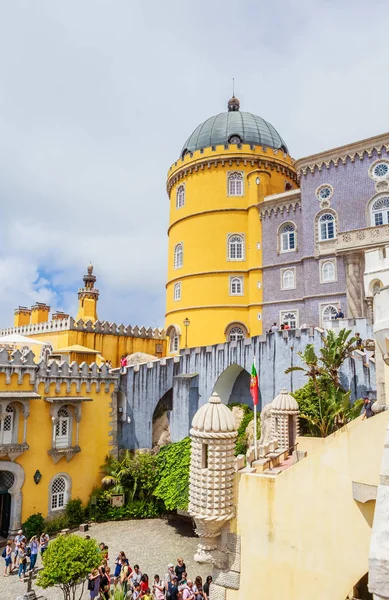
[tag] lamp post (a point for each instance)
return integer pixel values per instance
(186, 325)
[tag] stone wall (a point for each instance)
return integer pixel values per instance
(197, 372)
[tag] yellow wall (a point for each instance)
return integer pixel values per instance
(203, 225)
(84, 467)
(303, 536)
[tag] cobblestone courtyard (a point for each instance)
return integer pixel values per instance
(152, 543)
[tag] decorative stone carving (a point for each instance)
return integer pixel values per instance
(285, 422)
(57, 453)
(211, 501)
(266, 425)
(354, 273)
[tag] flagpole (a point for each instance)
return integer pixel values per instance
(255, 425)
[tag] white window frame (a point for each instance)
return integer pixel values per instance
(177, 291)
(322, 187)
(285, 313)
(10, 435)
(180, 196)
(63, 440)
(286, 235)
(323, 306)
(384, 211)
(174, 342)
(322, 265)
(230, 236)
(232, 328)
(236, 282)
(236, 334)
(320, 222)
(372, 167)
(234, 177)
(176, 263)
(58, 500)
(282, 274)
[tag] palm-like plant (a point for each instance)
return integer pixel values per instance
(115, 472)
(336, 349)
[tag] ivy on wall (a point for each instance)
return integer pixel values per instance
(173, 462)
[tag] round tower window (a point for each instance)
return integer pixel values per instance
(381, 170)
(235, 139)
(324, 192)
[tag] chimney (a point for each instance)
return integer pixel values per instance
(22, 316)
(39, 313)
(59, 316)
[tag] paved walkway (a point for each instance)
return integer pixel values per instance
(152, 543)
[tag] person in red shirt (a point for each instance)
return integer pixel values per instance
(144, 582)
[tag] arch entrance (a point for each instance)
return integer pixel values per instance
(11, 482)
(233, 386)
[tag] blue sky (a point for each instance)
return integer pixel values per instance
(97, 98)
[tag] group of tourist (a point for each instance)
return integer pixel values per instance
(19, 552)
(130, 582)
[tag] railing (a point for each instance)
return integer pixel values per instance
(356, 239)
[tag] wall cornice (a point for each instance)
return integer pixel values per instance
(245, 306)
(340, 155)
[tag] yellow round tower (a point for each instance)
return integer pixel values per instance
(226, 168)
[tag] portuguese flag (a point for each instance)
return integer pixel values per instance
(254, 384)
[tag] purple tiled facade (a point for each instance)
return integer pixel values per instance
(352, 191)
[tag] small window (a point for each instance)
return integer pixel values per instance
(328, 313)
(8, 425)
(328, 271)
(288, 237)
(177, 291)
(380, 211)
(235, 247)
(236, 334)
(174, 342)
(236, 286)
(288, 279)
(379, 170)
(62, 429)
(58, 493)
(178, 256)
(204, 456)
(180, 196)
(324, 192)
(289, 319)
(235, 184)
(326, 227)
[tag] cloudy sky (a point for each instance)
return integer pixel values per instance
(98, 96)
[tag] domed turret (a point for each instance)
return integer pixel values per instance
(213, 417)
(285, 413)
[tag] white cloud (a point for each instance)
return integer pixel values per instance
(97, 99)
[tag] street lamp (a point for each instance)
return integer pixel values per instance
(186, 325)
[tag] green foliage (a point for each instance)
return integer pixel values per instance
(34, 525)
(324, 405)
(173, 463)
(74, 513)
(66, 564)
(241, 441)
(55, 524)
(135, 475)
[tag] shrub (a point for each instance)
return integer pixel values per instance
(34, 525)
(74, 513)
(55, 524)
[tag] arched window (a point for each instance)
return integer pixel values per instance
(177, 291)
(8, 425)
(287, 237)
(62, 429)
(236, 286)
(235, 332)
(174, 342)
(327, 271)
(58, 493)
(235, 247)
(178, 256)
(380, 211)
(289, 319)
(326, 227)
(180, 196)
(328, 313)
(288, 279)
(377, 286)
(235, 184)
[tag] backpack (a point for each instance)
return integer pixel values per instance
(4, 554)
(28, 551)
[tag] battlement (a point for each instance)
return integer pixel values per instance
(55, 372)
(101, 327)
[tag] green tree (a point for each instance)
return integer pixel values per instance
(66, 564)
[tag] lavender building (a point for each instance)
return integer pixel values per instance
(315, 238)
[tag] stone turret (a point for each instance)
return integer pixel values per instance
(285, 422)
(211, 501)
(87, 297)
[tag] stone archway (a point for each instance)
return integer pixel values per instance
(233, 386)
(161, 424)
(15, 492)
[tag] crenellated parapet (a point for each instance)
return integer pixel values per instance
(101, 327)
(56, 373)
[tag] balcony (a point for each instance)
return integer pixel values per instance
(356, 239)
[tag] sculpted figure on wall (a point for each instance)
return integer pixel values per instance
(266, 425)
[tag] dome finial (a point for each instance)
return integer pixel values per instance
(233, 104)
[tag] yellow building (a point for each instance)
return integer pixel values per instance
(86, 338)
(57, 425)
(226, 168)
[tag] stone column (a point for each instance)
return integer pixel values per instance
(354, 283)
(370, 312)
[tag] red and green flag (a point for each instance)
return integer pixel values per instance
(254, 384)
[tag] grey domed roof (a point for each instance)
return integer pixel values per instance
(219, 129)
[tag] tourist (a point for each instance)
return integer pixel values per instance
(339, 314)
(123, 363)
(358, 341)
(136, 592)
(182, 583)
(187, 591)
(136, 576)
(18, 539)
(198, 588)
(274, 328)
(118, 566)
(158, 588)
(206, 587)
(367, 411)
(105, 582)
(34, 547)
(144, 582)
(94, 584)
(22, 554)
(170, 574)
(44, 543)
(180, 568)
(7, 555)
(125, 573)
(146, 595)
(172, 589)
